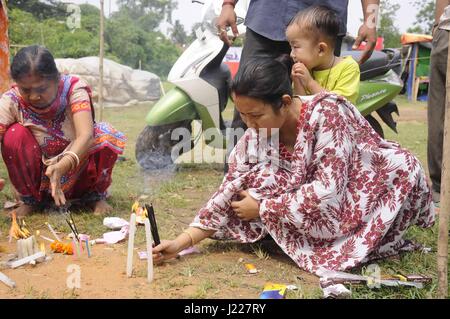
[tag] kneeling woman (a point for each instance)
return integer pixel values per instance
(332, 194)
(51, 145)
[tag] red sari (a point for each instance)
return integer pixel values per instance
(32, 138)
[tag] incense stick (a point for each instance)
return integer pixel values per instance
(72, 221)
(154, 227)
(73, 231)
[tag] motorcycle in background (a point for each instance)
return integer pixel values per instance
(200, 93)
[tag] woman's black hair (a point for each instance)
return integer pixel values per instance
(265, 79)
(34, 59)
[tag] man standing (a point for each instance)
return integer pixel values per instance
(267, 21)
(436, 94)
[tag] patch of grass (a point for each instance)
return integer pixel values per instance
(178, 196)
(203, 289)
(260, 252)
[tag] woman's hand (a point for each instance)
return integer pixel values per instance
(168, 249)
(54, 173)
(247, 208)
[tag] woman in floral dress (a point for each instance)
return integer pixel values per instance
(314, 175)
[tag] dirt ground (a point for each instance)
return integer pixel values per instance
(103, 275)
(218, 272)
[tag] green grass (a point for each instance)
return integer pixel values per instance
(177, 199)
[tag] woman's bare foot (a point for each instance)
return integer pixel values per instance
(23, 210)
(101, 207)
(2, 183)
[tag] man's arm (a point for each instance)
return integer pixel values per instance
(440, 6)
(368, 31)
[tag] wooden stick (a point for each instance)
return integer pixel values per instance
(100, 66)
(148, 237)
(131, 234)
(442, 255)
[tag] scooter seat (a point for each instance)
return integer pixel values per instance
(378, 64)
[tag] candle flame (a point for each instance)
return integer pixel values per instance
(16, 231)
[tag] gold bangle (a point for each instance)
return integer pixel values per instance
(190, 236)
(74, 155)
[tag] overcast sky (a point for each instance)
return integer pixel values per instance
(189, 13)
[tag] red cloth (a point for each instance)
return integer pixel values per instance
(23, 158)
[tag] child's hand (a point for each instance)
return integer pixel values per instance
(247, 208)
(301, 73)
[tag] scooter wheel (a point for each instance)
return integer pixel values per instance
(154, 145)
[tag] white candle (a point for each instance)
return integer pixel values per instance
(53, 232)
(47, 239)
(7, 281)
(29, 246)
(148, 237)
(26, 260)
(131, 234)
(19, 249)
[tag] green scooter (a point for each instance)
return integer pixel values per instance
(201, 82)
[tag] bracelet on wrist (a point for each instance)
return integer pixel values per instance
(190, 236)
(229, 2)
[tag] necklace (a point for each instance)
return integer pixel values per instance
(329, 72)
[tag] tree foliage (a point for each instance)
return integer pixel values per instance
(424, 17)
(131, 35)
(387, 27)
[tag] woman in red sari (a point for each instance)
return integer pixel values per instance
(51, 145)
(313, 174)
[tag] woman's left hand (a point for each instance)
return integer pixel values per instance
(54, 173)
(247, 208)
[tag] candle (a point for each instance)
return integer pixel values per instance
(131, 245)
(42, 247)
(148, 237)
(53, 232)
(87, 248)
(46, 238)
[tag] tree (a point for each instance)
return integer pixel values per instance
(387, 28)
(39, 9)
(130, 34)
(425, 16)
(130, 41)
(149, 13)
(178, 34)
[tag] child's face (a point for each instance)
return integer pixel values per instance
(303, 49)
